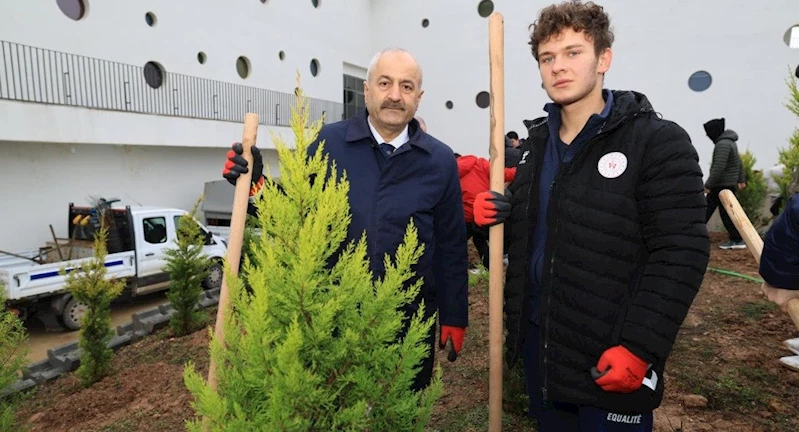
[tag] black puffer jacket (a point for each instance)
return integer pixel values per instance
(726, 169)
(624, 258)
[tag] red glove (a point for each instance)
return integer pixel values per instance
(622, 371)
(491, 208)
(456, 333)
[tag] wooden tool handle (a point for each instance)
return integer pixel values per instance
(751, 238)
(237, 222)
(496, 54)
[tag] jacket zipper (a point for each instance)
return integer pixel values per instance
(561, 174)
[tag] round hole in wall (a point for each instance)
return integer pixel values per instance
(154, 74)
(315, 67)
(483, 99)
(264, 1)
(243, 66)
(315, 3)
(74, 9)
(797, 72)
(201, 57)
(150, 19)
(425, 22)
(700, 81)
(281, 55)
(485, 8)
(791, 37)
(448, 104)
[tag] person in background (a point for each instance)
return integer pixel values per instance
(512, 152)
(726, 172)
(475, 177)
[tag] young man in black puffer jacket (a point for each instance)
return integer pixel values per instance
(606, 233)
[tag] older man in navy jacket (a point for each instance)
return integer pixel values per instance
(397, 172)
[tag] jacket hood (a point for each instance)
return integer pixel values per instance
(728, 134)
(465, 165)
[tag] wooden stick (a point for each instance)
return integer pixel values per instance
(496, 54)
(237, 222)
(752, 239)
(57, 247)
(20, 256)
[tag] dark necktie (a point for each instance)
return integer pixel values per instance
(387, 148)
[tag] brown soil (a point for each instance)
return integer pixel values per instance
(727, 352)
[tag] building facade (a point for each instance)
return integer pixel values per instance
(140, 100)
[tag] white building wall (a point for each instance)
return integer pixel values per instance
(659, 44)
(164, 160)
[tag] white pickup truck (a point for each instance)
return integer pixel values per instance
(136, 244)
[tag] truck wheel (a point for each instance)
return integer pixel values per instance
(214, 278)
(73, 313)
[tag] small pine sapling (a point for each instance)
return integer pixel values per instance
(89, 284)
(315, 344)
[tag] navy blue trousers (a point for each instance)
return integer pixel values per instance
(561, 417)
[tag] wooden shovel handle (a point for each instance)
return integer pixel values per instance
(238, 219)
(751, 238)
(496, 54)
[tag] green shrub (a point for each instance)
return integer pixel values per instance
(753, 196)
(789, 157)
(13, 352)
(187, 266)
(89, 285)
(315, 348)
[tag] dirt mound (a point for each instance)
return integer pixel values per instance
(723, 375)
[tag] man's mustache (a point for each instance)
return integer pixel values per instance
(392, 105)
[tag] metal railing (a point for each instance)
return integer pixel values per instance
(40, 75)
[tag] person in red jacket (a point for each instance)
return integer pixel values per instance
(475, 176)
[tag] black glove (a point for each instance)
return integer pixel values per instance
(236, 164)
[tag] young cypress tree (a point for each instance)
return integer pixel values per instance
(314, 347)
(187, 267)
(752, 196)
(790, 156)
(89, 285)
(13, 354)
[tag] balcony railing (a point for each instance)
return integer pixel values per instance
(40, 75)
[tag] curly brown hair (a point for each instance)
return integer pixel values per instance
(588, 17)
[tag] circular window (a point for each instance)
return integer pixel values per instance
(448, 104)
(74, 9)
(154, 74)
(243, 66)
(315, 3)
(700, 81)
(483, 99)
(150, 19)
(485, 8)
(201, 57)
(281, 55)
(791, 37)
(425, 22)
(314, 67)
